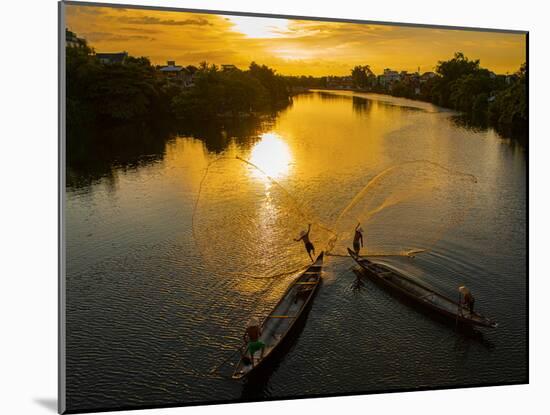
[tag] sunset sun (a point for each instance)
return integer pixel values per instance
(266, 28)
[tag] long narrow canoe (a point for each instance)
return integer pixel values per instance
(420, 294)
(277, 326)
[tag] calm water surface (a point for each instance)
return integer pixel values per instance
(152, 306)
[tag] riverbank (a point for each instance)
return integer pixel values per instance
(482, 97)
(462, 118)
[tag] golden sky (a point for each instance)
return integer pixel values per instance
(292, 47)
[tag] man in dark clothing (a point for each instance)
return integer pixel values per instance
(358, 239)
(304, 236)
(469, 301)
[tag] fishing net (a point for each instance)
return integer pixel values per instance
(245, 223)
(406, 209)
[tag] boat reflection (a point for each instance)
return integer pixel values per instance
(358, 284)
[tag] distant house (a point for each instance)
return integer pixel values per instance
(178, 74)
(389, 77)
(73, 41)
(427, 76)
(229, 67)
(508, 79)
(112, 58)
(171, 69)
(410, 78)
(340, 82)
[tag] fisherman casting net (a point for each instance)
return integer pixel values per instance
(407, 208)
(245, 224)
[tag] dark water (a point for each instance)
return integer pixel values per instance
(152, 307)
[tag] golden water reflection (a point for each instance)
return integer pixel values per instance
(272, 155)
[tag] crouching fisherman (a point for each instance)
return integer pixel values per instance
(252, 341)
(467, 298)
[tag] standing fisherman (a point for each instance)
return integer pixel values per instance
(304, 236)
(358, 239)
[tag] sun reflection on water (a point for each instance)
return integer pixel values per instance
(272, 155)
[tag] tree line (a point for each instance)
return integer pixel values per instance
(111, 94)
(231, 92)
(463, 85)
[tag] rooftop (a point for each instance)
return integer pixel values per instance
(171, 68)
(117, 57)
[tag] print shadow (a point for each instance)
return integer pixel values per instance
(48, 403)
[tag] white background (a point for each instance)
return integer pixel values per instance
(28, 208)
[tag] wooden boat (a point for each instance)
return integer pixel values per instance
(420, 294)
(277, 326)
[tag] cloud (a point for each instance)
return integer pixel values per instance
(113, 37)
(148, 20)
(87, 10)
(139, 30)
(289, 46)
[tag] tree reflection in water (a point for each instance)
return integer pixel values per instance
(97, 152)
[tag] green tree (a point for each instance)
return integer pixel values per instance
(275, 85)
(450, 71)
(466, 90)
(362, 76)
(509, 108)
(126, 91)
(222, 93)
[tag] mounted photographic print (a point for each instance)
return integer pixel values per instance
(259, 207)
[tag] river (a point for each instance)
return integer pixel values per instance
(170, 255)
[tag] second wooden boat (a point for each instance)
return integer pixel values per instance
(420, 294)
